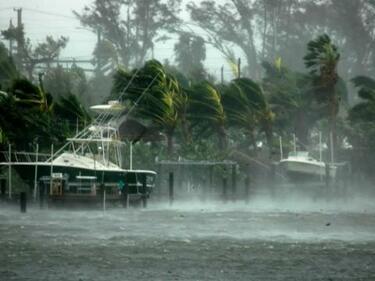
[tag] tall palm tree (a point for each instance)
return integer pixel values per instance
(362, 129)
(8, 69)
(70, 109)
(31, 96)
(155, 96)
(322, 59)
(247, 108)
(364, 112)
(291, 98)
(205, 107)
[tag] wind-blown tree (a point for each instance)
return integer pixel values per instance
(70, 110)
(30, 116)
(8, 70)
(27, 116)
(62, 82)
(28, 95)
(43, 53)
(362, 115)
(206, 110)
(154, 95)
(354, 34)
(291, 98)
(362, 125)
(247, 109)
(190, 52)
(322, 59)
(132, 26)
(226, 25)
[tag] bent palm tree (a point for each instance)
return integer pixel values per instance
(30, 96)
(156, 94)
(322, 59)
(69, 108)
(247, 108)
(291, 98)
(364, 112)
(205, 106)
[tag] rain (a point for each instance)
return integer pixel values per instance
(187, 140)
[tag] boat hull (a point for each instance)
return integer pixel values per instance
(82, 182)
(304, 171)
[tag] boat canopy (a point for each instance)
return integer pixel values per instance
(299, 154)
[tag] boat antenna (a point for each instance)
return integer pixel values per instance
(104, 115)
(101, 117)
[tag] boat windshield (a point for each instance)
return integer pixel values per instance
(299, 154)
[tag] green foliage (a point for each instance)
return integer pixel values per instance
(227, 23)
(8, 70)
(49, 49)
(69, 108)
(291, 98)
(28, 116)
(322, 59)
(364, 112)
(247, 108)
(190, 52)
(132, 36)
(154, 94)
(206, 110)
(62, 82)
(30, 96)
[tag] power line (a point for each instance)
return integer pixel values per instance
(49, 13)
(5, 9)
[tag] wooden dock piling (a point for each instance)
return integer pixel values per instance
(23, 201)
(171, 191)
(247, 189)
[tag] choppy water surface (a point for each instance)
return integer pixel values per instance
(295, 240)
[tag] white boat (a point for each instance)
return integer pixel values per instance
(300, 166)
(89, 162)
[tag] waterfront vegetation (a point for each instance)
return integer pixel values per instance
(183, 110)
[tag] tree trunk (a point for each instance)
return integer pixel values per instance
(185, 129)
(301, 129)
(222, 135)
(269, 137)
(265, 23)
(170, 144)
(332, 126)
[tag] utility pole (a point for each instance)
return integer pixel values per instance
(11, 27)
(222, 75)
(239, 67)
(98, 54)
(20, 38)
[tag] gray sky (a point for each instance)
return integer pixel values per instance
(54, 17)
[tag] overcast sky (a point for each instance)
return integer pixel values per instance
(48, 17)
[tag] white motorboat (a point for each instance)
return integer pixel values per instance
(89, 161)
(299, 165)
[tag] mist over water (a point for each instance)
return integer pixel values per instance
(278, 216)
(277, 236)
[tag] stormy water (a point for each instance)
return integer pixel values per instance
(267, 238)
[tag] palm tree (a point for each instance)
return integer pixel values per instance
(155, 95)
(362, 115)
(205, 108)
(247, 108)
(322, 59)
(21, 125)
(31, 96)
(70, 109)
(291, 98)
(8, 70)
(362, 121)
